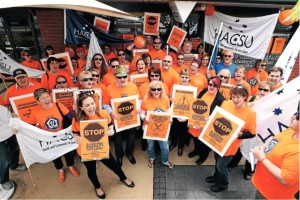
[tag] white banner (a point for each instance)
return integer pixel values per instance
(5, 130)
(273, 114)
(8, 65)
(40, 146)
(245, 36)
(94, 48)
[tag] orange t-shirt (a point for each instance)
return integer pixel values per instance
(283, 152)
(246, 114)
(50, 119)
(208, 98)
(49, 81)
(81, 63)
(33, 64)
(198, 81)
(179, 68)
(157, 55)
(150, 47)
(170, 77)
(245, 84)
(250, 77)
(2, 103)
(14, 91)
(117, 92)
(105, 99)
(278, 86)
(108, 78)
(78, 70)
(144, 88)
(157, 105)
(109, 56)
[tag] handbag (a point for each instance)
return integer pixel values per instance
(66, 122)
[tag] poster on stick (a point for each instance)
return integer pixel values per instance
(102, 24)
(126, 111)
(176, 37)
(198, 114)
(221, 130)
(64, 96)
(23, 105)
(94, 140)
(183, 97)
(158, 127)
(151, 23)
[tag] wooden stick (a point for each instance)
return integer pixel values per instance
(4, 82)
(34, 185)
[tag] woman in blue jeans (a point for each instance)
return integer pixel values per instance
(156, 100)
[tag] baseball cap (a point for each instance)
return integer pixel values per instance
(19, 72)
(121, 71)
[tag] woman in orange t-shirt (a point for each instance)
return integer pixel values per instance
(239, 78)
(140, 69)
(197, 79)
(87, 110)
(49, 117)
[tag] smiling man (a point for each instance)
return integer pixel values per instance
(275, 75)
(227, 63)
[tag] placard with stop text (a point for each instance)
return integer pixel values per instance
(23, 105)
(176, 37)
(126, 111)
(225, 90)
(158, 127)
(94, 140)
(183, 97)
(221, 130)
(64, 61)
(139, 79)
(97, 94)
(64, 96)
(198, 113)
(102, 24)
(151, 23)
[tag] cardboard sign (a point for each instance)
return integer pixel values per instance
(139, 79)
(198, 112)
(221, 130)
(65, 64)
(188, 58)
(157, 63)
(126, 111)
(184, 97)
(102, 24)
(151, 23)
(225, 90)
(278, 45)
(195, 43)
(64, 96)
(176, 37)
(23, 106)
(97, 94)
(94, 140)
(158, 127)
(139, 52)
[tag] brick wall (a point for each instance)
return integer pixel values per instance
(51, 22)
(295, 72)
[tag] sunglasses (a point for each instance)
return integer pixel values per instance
(185, 77)
(28, 55)
(154, 75)
(95, 75)
(61, 82)
(122, 77)
(265, 90)
(225, 77)
(156, 42)
(212, 85)
(114, 66)
(229, 56)
(98, 59)
(180, 58)
(263, 65)
(155, 89)
(167, 61)
(87, 79)
(121, 54)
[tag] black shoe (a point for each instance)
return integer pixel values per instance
(200, 161)
(103, 196)
(180, 152)
(210, 179)
(144, 146)
(192, 154)
(131, 159)
(218, 188)
(247, 176)
(131, 185)
(171, 147)
(119, 161)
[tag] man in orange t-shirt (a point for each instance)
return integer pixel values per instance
(257, 74)
(238, 107)
(109, 77)
(179, 65)
(157, 53)
(123, 88)
(107, 53)
(168, 74)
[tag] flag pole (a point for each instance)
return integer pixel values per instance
(214, 49)
(34, 185)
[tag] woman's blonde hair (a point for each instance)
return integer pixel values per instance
(82, 74)
(153, 84)
(229, 75)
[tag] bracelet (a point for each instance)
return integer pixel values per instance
(263, 159)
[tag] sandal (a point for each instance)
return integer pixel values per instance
(150, 163)
(169, 165)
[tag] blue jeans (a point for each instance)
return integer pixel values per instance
(221, 170)
(9, 157)
(164, 149)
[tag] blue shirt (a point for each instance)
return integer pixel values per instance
(221, 66)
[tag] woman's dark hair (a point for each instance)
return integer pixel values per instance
(103, 69)
(154, 70)
(48, 47)
(80, 114)
(49, 60)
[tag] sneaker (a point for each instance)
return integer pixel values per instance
(7, 190)
(61, 177)
(20, 167)
(74, 171)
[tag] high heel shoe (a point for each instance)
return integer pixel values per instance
(103, 196)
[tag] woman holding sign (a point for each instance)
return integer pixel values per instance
(87, 110)
(157, 101)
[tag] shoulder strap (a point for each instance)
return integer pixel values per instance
(59, 110)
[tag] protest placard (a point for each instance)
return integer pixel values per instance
(198, 112)
(64, 96)
(176, 37)
(64, 60)
(225, 90)
(139, 79)
(151, 23)
(102, 24)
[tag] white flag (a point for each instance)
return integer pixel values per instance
(288, 57)
(8, 65)
(94, 47)
(5, 130)
(273, 114)
(40, 146)
(245, 36)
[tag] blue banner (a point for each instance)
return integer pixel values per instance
(78, 31)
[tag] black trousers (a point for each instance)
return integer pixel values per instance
(235, 162)
(69, 158)
(110, 163)
(130, 138)
(179, 133)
